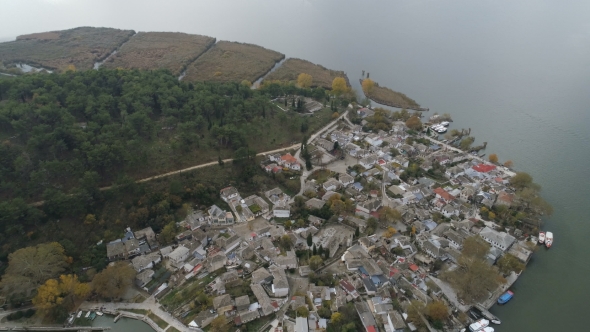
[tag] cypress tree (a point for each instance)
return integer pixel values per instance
(314, 250)
(309, 239)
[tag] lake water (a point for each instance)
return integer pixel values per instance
(517, 73)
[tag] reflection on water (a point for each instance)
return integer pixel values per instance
(122, 325)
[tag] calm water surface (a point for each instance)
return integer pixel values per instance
(517, 73)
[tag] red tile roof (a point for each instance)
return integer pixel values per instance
(370, 328)
(483, 168)
(289, 158)
(445, 195)
(413, 267)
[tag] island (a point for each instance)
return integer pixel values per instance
(202, 203)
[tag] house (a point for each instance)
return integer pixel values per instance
(467, 193)
(360, 223)
(178, 256)
(328, 194)
(395, 322)
(500, 240)
(147, 234)
(218, 216)
(504, 198)
(261, 276)
(315, 203)
(364, 209)
(301, 324)
(148, 261)
(223, 303)
(484, 168)
(229, 193)
(144, 277)
(455, 239)
(290, 162)
(116, 250)
(216, 261)
(433, 249)
(332, 185)
(280, 285)
(257, 205)
(345, 179)
(368, 162)
(281, 210)
(287, 262)
(443, 194)
(264, 301)
(327, 145)
(203, 318)
(349, 288)
(448, 211)
(242, 303)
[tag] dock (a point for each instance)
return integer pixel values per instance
(488, 315)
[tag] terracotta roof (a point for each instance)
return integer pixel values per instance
(483, 168)
(288, 157)
(442, 193)
(413, 267)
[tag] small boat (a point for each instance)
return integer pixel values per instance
(479, 325)
(487, 329)
(99, 313)
(548, 239)
(79, 314)
(93, 316)
(541, 237)
(495, 321)
(445, 123)
(88, 314)
(505, 297)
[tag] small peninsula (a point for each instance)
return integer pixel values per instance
(388, 97)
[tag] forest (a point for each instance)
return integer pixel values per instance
(64, 136)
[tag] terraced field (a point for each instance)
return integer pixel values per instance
(291, 68)
(153, 50)
(231, 61)
(57, 50)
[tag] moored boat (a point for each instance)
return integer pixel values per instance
(445, 123)
(479, 325)
(505, 297)
(99, 313)
(541, 237)
(548, 239)
(93, 316)
(487, 329)
(79, 314)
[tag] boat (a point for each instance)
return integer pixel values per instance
(99, 313)
(496, 321)
(487, 329)
(79, 314)
(88, 314)
(479, 325)
(93, 316)
(541, 237)
(505, 297)
(548, 239)
(445, 123)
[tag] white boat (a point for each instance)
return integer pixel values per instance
(495, 321)
(479, 325)
(541, 237)
(487, 329)
(99, 313)
(445, 123)
(79, 314)
(88, 314)
(548, 239)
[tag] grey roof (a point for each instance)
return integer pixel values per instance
(115, 248)
(260, 275)
(315, 203)
(222, 301)
(280, 278)
(242, 300)
(505, 240)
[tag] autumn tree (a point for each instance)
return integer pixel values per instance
(475, 246)
(437, 311)
(508, 163)
(388, 214)
(368, 85)
(339, 86)
(523, 180)
(493, 158)
(414, 123)
(336, 318)
(465, 143)
(304, 80)
(113, 281)
(30, 267)
(389, 232)
(508, 263)
(219, 324)
(335, 115)
(64, 292)
(415, 311)
(315, 262)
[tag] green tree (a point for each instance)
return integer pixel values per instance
(285, 242)
(309, 240)
(465, 143)
(437, 311)
(508, 263)
(30, 267)
(302, 312)
(475, 246)
(219, 324)
(315, 262)
(168, 233)
(113, 281)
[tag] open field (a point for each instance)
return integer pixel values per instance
(386, 96)
(81, 47)
(291, 68)
(154, 50)
(231, 61)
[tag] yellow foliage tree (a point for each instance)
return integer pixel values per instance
(339, 86)
(493, 158)
(414, 123)
(66, 291)
(304, 80)
(390, 232)
(70, 68)
(437, 310)
(335, 115)
(508, 163)
(246, 83)
(368, 85)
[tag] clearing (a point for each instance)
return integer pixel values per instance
(81, 47)
(231, 61)
(153, 50)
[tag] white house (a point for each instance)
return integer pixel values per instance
(228, 193)
(178, 256)
(500, 240)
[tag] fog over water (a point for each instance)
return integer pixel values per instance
(517, 73)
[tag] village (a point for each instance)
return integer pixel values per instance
(377, 219)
